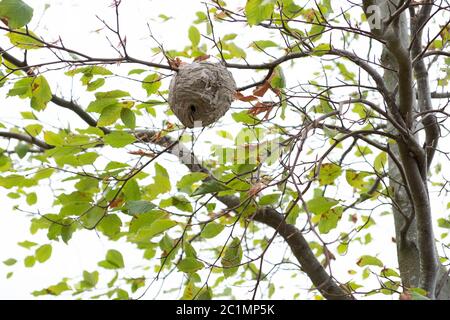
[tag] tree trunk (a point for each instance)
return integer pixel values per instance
(406, 229)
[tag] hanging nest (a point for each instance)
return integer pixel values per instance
(201, 93)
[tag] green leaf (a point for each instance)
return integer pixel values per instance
(119, 139)
(54, 290)
(24, 39)
(67, 232)
(321, 49)
(114, 260)
(230, 36)
(180, 202)
(29, 261)
(100, 104)
(139, 207)
(194, 36)
(10, 262)
(94, 85)
(189, 291)
(356, 179)
(416, 295)
(363, 111)
(244, 117)
(294, 212)
(114, 94)
(144, 220)
(22, 88)
(161, 182)
(41, 94)
(204, 294)
(33, 129)
(269, 199)
(110, 225)
(278, 80)
(53, 139)
(190, 265)
(328, 173)
(211, 230)
(232, 257)
(362, 151)
(43, 253)
(90, 279)
(224, 134)
(263, 44)
(342, 248)
(136, 71)
(16, 180)
(258, 10)
(235, 51)
(90, 71)
(328, 220)
(22, 149)
(16, 12)
(387, 272)
(320, 205)
(187, 183)
(113, 280)
(151, 84)
(444, 223)
(31, 198)
(156, 228)
(210, 186)
(189, 250)
(348, 75)
(380, 162)
(5, 163)
(128, 118)
(271, 290)
(27, 244)
(367, 260)
(109, 115)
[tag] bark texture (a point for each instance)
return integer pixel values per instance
(406, 77)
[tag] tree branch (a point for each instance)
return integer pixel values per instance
(26, 138)
(430, 122)
(269, 216)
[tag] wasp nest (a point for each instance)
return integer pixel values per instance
(201, 93)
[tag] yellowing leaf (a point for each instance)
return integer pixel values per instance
(41, 93)
(328, 173)
(367, 260)
(24, 39)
